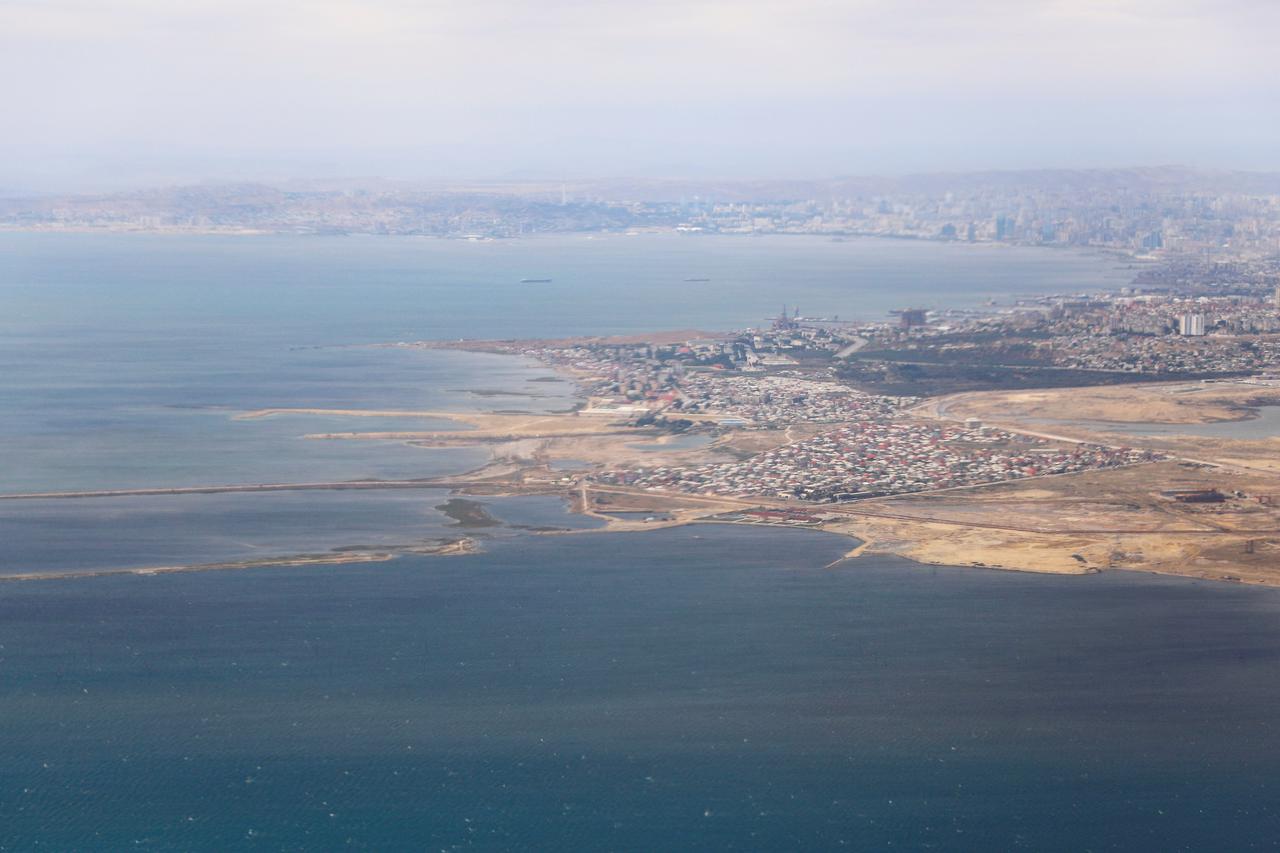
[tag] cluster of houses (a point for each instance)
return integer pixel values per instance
(1154, 355)
(875, 457)
(782, 399)
(1142, 334)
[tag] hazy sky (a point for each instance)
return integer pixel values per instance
(123, 91)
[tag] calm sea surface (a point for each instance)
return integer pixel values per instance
(124, 360)
(703, 688)
(700, 688)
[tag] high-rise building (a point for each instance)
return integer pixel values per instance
(1191, 325)
(1004, 227)
(912, 317)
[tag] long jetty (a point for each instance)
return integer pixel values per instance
(245, 487)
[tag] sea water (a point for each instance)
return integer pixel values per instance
(127, 360)
(707, 687)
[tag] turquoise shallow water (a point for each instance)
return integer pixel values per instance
(702, 688)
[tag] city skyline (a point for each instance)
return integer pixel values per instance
(1164, 212)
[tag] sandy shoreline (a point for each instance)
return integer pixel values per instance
(1102, 520)
(1082, 524)
(335, 558)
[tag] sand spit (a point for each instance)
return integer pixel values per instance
(353, 413)
(1128, 518)
(353, 485)
(451, 547)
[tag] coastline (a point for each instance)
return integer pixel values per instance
(1193, 548)
(126, 229)
(544, 453)
(339, 556)
(1053, 524)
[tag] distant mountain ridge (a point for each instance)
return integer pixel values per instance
(1169, 178)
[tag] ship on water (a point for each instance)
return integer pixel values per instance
(697, 279)
(535, 281)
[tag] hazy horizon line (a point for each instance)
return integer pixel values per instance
(553, 181)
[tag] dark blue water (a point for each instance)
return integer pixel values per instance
(702, 688)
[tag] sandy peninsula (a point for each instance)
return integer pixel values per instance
(1116, 519)
(339, 556)
(1120, 518)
